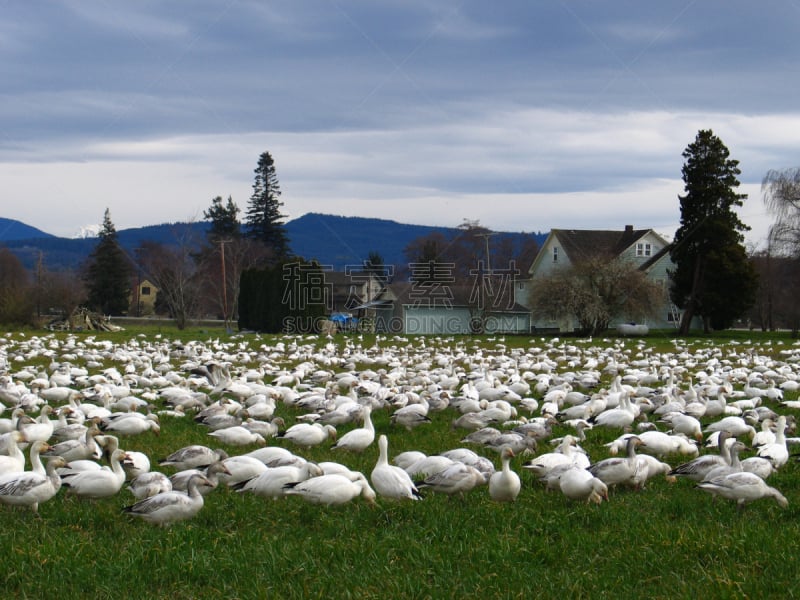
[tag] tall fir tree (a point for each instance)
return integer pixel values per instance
(713, 278)
(108, 273)
(264, 220)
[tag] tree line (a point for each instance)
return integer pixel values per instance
(243, 271)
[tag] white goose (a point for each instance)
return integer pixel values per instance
(271, 482)
(11, 423)
(41, 429)
(331, 490)
(458, 478)
(358, 440)
(736, 426)
(132, 424)
(697, 468)
(78, 449)
(66, 430)
(504, 485)
(31, 488)
(391, 481)
(180, 480)
(734, 467)
(743, 488)
(276, 456)
(758, 465)
(660, 444)
(580, 485)
(193, 457)
(562, 455)
(135, 463)
(765, 435)
(776, 452)
(411, 416)
(408, 458)
(149, 484)
(241, 468)
(471, 458)
(616, 471)
(308, 434)
(101, 483)
(168, 507)
(429, 465)
(619, 417)
(14, 459)
(238, 436)
(684, 424)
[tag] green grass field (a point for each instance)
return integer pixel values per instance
(669, 540)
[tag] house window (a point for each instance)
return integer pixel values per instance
(555, 253)
(643, 249)
(145, 290)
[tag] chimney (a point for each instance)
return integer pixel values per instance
(628, 229)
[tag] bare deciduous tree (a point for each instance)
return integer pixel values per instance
(781, 194)
(596, 291)
(173, 270)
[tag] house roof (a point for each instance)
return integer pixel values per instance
(582, 244)
(585, 243)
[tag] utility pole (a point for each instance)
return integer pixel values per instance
(224, 282)
(485, 278)
(39, 286)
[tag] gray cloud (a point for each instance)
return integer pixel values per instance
(525, 115)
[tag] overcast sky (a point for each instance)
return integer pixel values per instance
(522, 114)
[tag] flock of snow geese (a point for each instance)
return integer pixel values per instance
(69, 400)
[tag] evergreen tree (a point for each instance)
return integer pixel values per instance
(428, 260)
(264, 221)
(712, 278)
(108, 273)
(290, 297)
(224, 220)
(375, 266)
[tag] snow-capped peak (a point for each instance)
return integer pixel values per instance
(87, 231)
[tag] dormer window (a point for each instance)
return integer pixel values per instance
(644, 249)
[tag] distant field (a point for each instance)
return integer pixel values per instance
(665, 541)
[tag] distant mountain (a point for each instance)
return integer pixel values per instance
(60, 254)
(332, 240)
(342, 241)
(15, 230)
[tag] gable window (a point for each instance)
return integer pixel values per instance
(555, 253)
(644, 249)
(145, 290)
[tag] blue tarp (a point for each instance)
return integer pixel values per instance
(343, 319)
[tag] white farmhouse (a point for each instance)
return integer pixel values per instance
(564, 247)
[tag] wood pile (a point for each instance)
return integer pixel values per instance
(82, 319)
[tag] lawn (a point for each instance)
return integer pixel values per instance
(667, 540)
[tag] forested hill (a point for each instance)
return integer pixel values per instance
(16, 230)
(332, 240)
